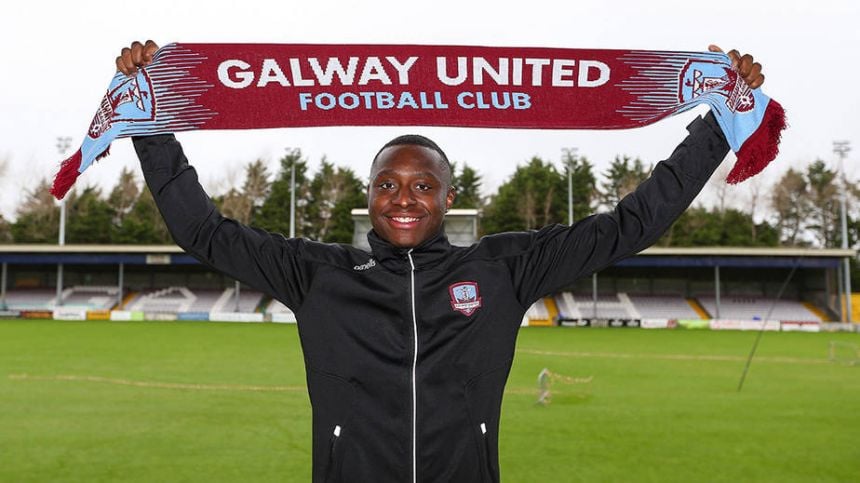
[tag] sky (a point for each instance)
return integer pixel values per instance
(58, 58)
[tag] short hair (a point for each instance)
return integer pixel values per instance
(416, 140)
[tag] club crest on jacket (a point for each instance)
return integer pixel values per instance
(465, 297)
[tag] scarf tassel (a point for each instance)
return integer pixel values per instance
(66, 176)
(761, 147)
(69, 171)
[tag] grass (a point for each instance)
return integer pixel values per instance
(226, 402)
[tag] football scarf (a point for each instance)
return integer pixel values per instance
(254, 86)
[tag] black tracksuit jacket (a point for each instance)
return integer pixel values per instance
(405, 378)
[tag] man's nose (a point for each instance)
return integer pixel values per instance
(404, 197)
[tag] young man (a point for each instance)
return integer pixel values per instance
(407, 349)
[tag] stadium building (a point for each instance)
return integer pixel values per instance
(719, 287)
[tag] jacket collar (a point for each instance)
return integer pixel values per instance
(425, 255)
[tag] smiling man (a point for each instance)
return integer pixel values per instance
(408, 348)
(410, 190)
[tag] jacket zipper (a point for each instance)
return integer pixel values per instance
(331, 452)
(414, 365)
(486, 448)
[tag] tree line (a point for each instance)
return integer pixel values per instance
(802, 206)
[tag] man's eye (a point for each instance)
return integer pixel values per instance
(423, 187)
(387, 185)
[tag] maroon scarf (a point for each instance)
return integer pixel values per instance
(253, 86)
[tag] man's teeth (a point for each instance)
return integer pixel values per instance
(404, 219)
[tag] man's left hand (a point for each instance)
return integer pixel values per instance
(744, 65)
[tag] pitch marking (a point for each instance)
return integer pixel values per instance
(156, 384)
(193, 387)
(675, 357)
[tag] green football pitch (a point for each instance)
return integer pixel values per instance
(198, 401)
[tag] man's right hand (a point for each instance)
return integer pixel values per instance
(135, 56)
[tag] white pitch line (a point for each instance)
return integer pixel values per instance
(675, 357)
(156, 384)
(195, 387)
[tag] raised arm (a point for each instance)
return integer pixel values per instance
(554, 257)
(266, 261)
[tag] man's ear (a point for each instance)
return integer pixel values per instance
(449, 198)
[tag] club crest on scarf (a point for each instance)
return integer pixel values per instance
(666, 83)
(130, 100)
(161, 98)
(465, 297)
(698, 78)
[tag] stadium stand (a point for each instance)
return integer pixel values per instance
(31, 299)
(183, 299)
(170, 299)
(87, 297)
(608, 306)
(280, 312)
(249, 300)
(276, 307)
(567, 307)
(82, 297)
(538, 311)
(206, 299)
(663, 307)
(542, 313)
(654, 285)
(756, 308)
(623, 306)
